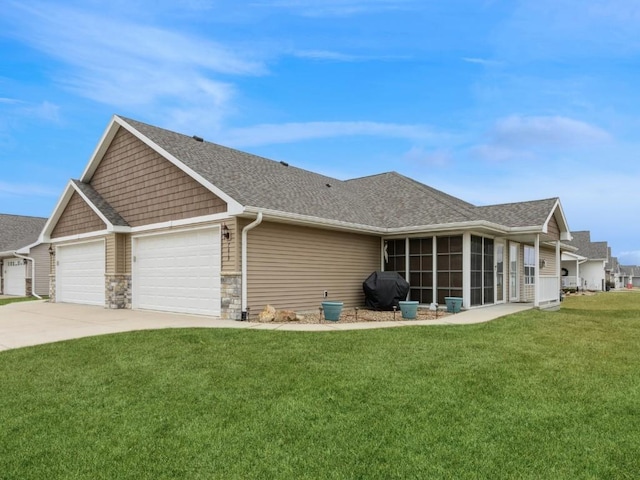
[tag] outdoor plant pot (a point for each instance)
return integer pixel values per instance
(332, 310)
(409, 309)
(454, 304)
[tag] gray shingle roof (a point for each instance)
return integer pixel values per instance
(387, 200)
(101, 204)
(587, 248)
(630, 270)
(18, 231)
(521, 214)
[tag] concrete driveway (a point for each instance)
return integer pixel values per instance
(32, 323)
(23, 324)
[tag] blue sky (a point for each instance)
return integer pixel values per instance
(491, 101)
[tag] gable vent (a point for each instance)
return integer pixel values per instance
(198, 139)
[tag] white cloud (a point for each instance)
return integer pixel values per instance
(27, 190)
(483, 61)
(121, 63)
(420, 156)
(498, 153)
(267, 134)
(555, 131)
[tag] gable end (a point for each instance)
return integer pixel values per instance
(145, 188)
(77, 218)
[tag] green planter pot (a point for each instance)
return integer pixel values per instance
(332, 310)
(409, 309)
(454, 304)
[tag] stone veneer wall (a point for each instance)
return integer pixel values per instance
(230, 295)
(118, 291)
(52, 287)
(28, 288)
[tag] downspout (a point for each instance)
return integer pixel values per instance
(536, 272)
(33, 274)
(243, 293)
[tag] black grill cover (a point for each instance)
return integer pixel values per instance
(383, 290)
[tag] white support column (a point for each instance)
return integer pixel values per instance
(536, 278)
(434, 250)
(558, 265)
(406, 259)
(466, 270)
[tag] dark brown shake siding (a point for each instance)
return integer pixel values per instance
(145, 188)
(77, 218)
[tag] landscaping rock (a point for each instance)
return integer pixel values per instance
(286, 316)
(268, 314)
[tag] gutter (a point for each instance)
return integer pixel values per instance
(33, 273)
(243, 292)
(384, 231)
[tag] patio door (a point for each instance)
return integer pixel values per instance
(514, 285)
(499, 266)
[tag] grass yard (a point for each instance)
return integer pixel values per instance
(8, 300)
(541, 395)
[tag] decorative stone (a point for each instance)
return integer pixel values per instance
(268, 314)
(285, 316)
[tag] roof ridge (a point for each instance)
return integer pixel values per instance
(440, 193)
(229, 149)
(519, 203)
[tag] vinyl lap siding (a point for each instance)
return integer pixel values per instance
(145, 188)
(41, 255)
(289, 267)
(77, 218)
(553, 230)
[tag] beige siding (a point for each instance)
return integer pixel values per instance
(77, 218)
(118, 253)
(145, 188)
(289, 267)
(553, 230)
(41, 256)
(527, 292)
(549, 256)
(229, 250)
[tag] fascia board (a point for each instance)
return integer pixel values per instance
(565, 234)
(314, 221)
(45, 235)
(216, 217)
(81, 236)
(359, 228)
(233, 206)
(95, 209)
(100, 150)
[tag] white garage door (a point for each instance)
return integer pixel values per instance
(14, 277)
(178, 272)
(80, 272)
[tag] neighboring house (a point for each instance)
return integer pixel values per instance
(613, 272)
(630, 276)
(164, 221)
(24, 261)
(585, 268)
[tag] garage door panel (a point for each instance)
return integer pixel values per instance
(80, 270)
(178, 272)
(14, 277)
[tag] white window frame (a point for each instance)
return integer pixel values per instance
(529, 265)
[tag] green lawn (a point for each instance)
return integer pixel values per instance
(8, 300)
(544, 395)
